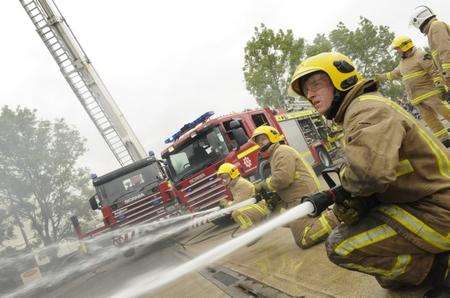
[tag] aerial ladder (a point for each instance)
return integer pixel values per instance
(85, 82)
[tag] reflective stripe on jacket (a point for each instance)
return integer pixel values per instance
(392, 156)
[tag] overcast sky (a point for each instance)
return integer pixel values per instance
(166, 62)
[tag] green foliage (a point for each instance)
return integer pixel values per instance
(270, 60)
(39, 180)
(369, 48)
(319, 45)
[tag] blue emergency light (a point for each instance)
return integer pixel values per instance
(189, 126)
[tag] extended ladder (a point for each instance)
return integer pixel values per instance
(84, 80)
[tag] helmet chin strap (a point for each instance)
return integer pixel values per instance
(335, 104)
(265, 147)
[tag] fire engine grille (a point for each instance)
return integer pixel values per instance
(205, 193)
(146, 209)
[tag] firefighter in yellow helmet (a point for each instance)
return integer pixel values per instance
(438, 34)
(394, 167)
(291, 178)
(417, 72)
(241, 190)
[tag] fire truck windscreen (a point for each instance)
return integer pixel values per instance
(138, 182)
(197, 153)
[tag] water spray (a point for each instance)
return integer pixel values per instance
(111, 252)
(150, 282)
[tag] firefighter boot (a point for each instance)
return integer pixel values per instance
(440, 278)
(437, 292)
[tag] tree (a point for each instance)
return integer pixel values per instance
(39, 180)
(368, 46)
(319, 45)
(6, 229)
(270, 60)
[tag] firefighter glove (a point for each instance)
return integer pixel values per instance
(260, 186)
(224, 203)
(351, 210)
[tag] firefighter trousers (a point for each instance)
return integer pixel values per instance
(374, 248)
(249, 215)
(309, 231)
(429, 109)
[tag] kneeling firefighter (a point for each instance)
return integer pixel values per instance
(241, 190)
(397, 176)
(291, 179)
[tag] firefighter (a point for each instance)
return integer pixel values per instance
(417, 72)
(438, 34)
(241, 190)
(291, 178)
(397, 174)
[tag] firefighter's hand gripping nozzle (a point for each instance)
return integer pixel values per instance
(271, 198)
(321, 200)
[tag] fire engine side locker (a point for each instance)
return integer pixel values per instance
(292, 131)
(302, 132)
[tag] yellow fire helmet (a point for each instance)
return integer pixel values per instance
(402, 42)
(337, 66)
(272, 133)
(230, 169)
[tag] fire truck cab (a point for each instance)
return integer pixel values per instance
(200, 147)
(136, 193)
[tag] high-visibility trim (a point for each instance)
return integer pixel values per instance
(269, 184)
(389, 76)
(434, 53)
(247, 151)
(310, 171)
(412, 75)
(297, 115)
(441, 133)
(325, 230)
(420, 98)
(305, 153)
(446, 66)
(364, 239)
(244, 221)
(305, 232)
(262, 210)
(400, 266)
(443, 163)
(404, 168)
(437, 79)
(416, 226)
(254, 207)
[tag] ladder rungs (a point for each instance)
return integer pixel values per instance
(31, 2)
(76, 79)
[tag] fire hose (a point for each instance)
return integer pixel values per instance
(310, 205)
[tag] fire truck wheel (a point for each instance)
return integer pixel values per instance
(129, 252)
(324, 157)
